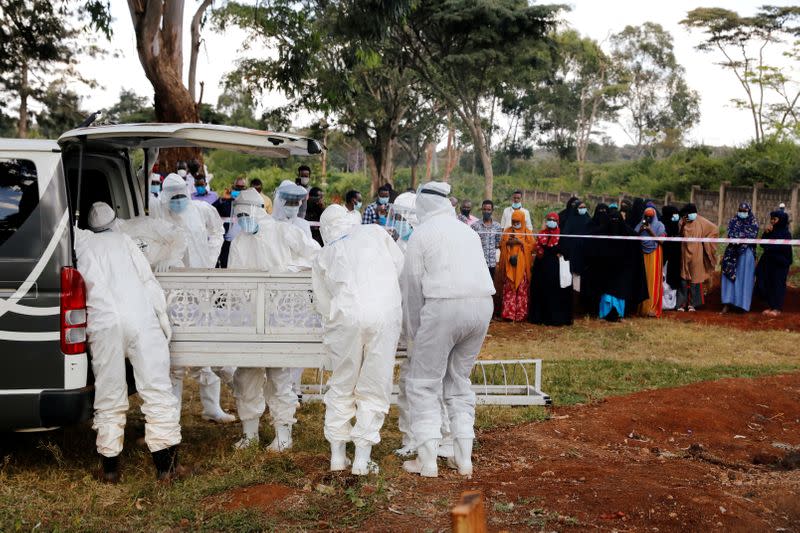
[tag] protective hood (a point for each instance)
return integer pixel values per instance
(173, 185)
(287, 190)
(101, 217)
(335, 223)
(432, 200)
(249, 201)
(404, 205)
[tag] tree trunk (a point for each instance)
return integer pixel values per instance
(195, 31)
(158, 43)
(414, 177)
(325, 154)
(22, 123)
(374, 175)
(486, 158)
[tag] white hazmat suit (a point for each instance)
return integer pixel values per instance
(289, 207)
(356, 289)
(270, 246)
(202, 227)
(447, 307)
(126, 319)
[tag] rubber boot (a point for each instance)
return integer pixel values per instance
(425, 463)
(167, 467)
(209, 398)
(249, 434)
(110, 469)
(362, 464)
(446, 448)
(339, 460)
(282, 440)
(407, 447)
(177, 391)
(463, 456)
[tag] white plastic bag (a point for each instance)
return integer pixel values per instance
(563, 272)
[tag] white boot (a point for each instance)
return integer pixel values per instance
(282, 440)
(209, 399)
(463, 456)
(362, 464)
(177, 391)
(425, 463)
(250, 434)
(339, 460)
(446, 447)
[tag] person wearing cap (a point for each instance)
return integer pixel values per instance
(698, 259)
(126, 318)
(516, 205)
(447, 306)
(266, 245)
(203, 230)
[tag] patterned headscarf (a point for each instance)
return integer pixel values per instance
(739, 228)
(551, 238)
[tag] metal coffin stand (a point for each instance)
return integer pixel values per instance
(248, 318)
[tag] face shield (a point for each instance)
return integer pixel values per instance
(288, 198)
(400, 218)
(248, 211)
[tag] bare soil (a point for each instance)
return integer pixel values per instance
(789, 320)
(712, 456)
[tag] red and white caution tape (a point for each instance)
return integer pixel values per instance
(792, 242)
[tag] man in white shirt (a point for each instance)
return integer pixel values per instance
(516, 203)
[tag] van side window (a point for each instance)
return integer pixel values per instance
(19, 195)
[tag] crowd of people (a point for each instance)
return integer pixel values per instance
(573, 265)
(434, 273)
(400, 249)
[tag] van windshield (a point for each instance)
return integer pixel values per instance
(19, 195)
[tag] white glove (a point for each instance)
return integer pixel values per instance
(163, 321)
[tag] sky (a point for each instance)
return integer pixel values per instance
(720, 122)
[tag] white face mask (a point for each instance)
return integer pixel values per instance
(291, 211)
(304, 180)
(182, 173)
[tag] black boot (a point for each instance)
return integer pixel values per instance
(110, 473)
(166, 462)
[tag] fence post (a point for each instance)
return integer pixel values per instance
(754, 205)
(534, 197)
(794, 209)
(469, 516)
(721, 204)
(691, 195)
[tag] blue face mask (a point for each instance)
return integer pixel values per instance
(155, 189)
(404, 229)
(248, 224)
(552, 224)
(676, 217)
(383, 201)
(357, 206)
(692, 217)
(234, 194)
(382, 220)
(582, 210)
(178, 205)
(742, 215)
(516, 205)
(201, 190)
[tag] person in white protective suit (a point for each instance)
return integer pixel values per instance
(357, 292)
(264, 244)
(126, 319)
(286, 207)
(204, 234)
(401, 225)
(447, 306)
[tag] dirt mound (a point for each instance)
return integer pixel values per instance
(263, 497)
(667, 460)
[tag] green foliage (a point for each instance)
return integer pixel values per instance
(130, 108)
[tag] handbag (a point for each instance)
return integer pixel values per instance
(564, 274)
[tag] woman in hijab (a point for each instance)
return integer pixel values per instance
(739, 261)
(672, 255)
(590, 282)
(636, 213)
(650, 226)
(516, 257)
(698, 259)
(617, 269)
(773, 265)
(550, 304)
(568, 211)
(573, 249)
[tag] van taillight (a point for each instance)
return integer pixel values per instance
(73, 312)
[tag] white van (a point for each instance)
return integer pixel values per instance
(46, 188)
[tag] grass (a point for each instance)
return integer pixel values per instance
(46, 481)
